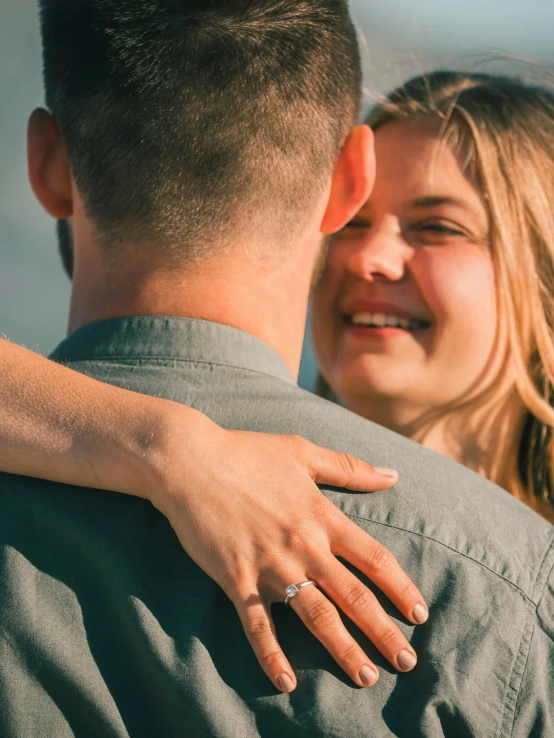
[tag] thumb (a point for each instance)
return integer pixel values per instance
(343, 470)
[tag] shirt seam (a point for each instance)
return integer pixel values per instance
(513, 691)
(460, 553)
(532, 626)
(151, 359)
(513, 687)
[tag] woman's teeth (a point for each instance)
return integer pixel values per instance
(382, 320)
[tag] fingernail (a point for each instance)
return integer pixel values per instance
(406, 661)
(285, 683)
(368, 676)
(420, 614)
(384, 472)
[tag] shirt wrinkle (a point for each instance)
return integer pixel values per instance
(550, 551)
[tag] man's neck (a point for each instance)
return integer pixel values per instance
(265, 300)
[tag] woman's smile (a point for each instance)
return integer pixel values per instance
(372, 319)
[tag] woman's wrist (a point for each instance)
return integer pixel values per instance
(163, 446)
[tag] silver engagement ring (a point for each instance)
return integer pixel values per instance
(292, 590)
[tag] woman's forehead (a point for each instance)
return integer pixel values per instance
(415, 161)
(412, 148)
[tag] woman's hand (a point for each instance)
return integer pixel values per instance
(246, 508)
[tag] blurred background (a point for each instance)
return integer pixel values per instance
(400, 38)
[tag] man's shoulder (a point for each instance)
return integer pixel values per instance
(435, 499)
(483, 562)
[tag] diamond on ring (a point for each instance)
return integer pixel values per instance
(292, 590)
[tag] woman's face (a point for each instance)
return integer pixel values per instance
(405, 317)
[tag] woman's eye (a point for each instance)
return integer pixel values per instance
(436, 230)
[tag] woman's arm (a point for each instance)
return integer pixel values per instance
(60, 425)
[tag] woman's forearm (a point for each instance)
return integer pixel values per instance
(59, 425)
(236, 500)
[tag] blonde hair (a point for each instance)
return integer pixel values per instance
(503, 131)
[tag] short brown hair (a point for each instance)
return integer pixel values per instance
(185, 118)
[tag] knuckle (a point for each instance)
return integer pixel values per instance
(359, 597)
(299, 443)
(257, 629)
(323, 513)
(270, 658)
(342, 527)
(409, 592)
(321, 615)
(297, 535)
(309, 540)
(350, 465)
(301, 451)
(349, 654)
(390, 638)
(235, 578)
(380, 558)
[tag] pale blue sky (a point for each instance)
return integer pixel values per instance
(402, 38)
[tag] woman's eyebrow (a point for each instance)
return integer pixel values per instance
(433, 201)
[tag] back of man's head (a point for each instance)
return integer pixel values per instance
(187, 120)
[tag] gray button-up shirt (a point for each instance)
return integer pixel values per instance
(107, 628)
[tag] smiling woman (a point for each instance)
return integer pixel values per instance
(416, 252)
(434, 315)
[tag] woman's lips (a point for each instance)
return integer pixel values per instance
(368, 333)
(364, 317)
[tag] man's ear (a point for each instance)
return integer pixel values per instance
(48, 165)
(353, 180)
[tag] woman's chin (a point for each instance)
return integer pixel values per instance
(389, 396)
(375, 378)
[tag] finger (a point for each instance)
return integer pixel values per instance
(321, 617)
(353, 544)
(343, 470)
(260, 631)
(362, 607)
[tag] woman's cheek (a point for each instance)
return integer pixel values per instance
(459, 287)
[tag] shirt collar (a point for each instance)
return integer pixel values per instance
(167, 338)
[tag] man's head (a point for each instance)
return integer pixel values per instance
(188, 123)
(196, 137)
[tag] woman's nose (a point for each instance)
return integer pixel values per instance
(382, 254)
